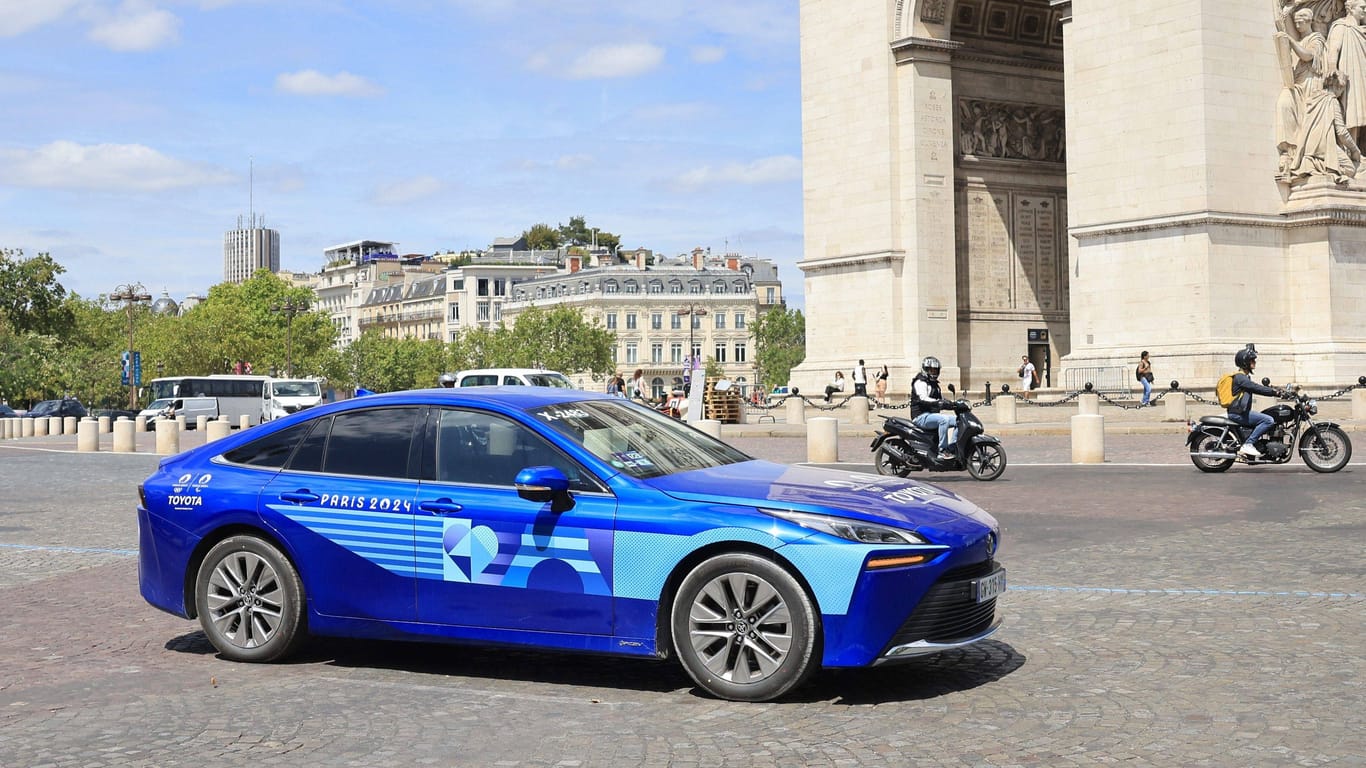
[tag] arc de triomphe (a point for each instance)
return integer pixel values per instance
(1081, 180)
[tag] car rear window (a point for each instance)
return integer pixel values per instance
(273, 450)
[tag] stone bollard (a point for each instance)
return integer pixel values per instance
(1088, 438)
(217, 429)
(710, 426)
(1088, 404)
(201, 422)
(6, 428)
(858, 410)
(69, 425)
(244, 422)
(168, 437)
(180, 423)
(1359, 404)
(88, 435)
(27, 427)
(796, 410)
(1005, 409)
(124, 436)
(54, 425)
(140, 424)
(823, 440)
(105, 425)
(40, 426)
(1176, 406)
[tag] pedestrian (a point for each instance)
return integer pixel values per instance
(638, 385)
(880, 384)
(1144, 373)
(1029, 377)
(835, 386)
(860, 380)
(614, 384)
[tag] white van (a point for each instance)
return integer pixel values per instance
(281, 397)
(189, 407)
(512, 377)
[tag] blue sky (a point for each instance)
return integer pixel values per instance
(130, 127)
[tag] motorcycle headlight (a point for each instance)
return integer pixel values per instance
(851, 530)
(1313, 407)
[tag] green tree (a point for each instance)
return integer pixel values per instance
(559, 339)
(779, 344)
(31, 299)
(577, 232)
(542, 237)
(382, 364)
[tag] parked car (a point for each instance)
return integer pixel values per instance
(113, 413)
(65, 407)
(512, 377)
(559, 519)
(7, 412)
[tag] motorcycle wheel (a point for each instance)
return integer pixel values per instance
(886, 465)
(1327, 449)
(1210, 443)
(987, 461)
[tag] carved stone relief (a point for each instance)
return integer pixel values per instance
(1321, 110)
(932, 11)
(1009, 130)
(1011, 252)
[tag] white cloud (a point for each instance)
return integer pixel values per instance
(573, 162)
(708, 54)
(20, 16)
(407, 190)
(112, 167)
(602, 62)
(311, 82)
(135, 25)
(767, 170)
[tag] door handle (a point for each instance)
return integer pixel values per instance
(301, 496)
(440, 507)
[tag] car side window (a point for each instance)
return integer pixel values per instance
(374, 442)
(487, 449)
(309, 456)
(273, 450)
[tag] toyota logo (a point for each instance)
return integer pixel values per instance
(991, 544)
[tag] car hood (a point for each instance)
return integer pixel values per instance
(875, 498)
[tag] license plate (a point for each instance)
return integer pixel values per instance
(989, 587)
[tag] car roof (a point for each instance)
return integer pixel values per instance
(509, 397)
(501, 371)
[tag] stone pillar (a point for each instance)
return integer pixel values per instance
(124, 438)
(1088, 439)
(1176, 406)
(710, 426)
(796, 410)
(823, 440)
(1088, 403)
(168, 436)
(105, 425)
(180, 423)
(6, 428)
(1005, 409)
(28, 427)
(88, 435)
(201, 422)
(54, 425)
(40, 426)
(244, 422)
(1359, 404)
(858, 410)
(69, 425)
(217, 429)
(140, 424)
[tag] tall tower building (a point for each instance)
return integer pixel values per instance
(248, 248)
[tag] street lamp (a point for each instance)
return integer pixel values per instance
(131, 294)
(289, 308)
(691, 312)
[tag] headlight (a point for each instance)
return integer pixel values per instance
(852, 530)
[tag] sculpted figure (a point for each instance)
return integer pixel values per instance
(1307, 48)
(1346, 57)
(1324, 144)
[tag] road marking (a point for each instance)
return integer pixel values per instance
(76, 550)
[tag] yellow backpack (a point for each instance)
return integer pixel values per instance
(1223, 391)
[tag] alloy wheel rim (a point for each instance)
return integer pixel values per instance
(740, 627)
(245, 600)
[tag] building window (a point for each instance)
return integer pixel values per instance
(768, 293)
(455, 313)
(676, 352)
(481, 311)
(718, 287)
(500, 287)
(657, 352)
(720, 321)
(675, 287)
(696, 321)
(739, 321)
(632, 356)
(720, 351)
(675, 322)
(656, 287)
(483, 287)
(694, 287)
(741, 352)
(611, 321)
(657, 388)
(631, 287)
(656, 321)
(609, 287)
(630, 321)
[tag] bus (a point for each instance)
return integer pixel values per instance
(238, 396)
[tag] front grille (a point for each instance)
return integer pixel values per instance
(948, 612)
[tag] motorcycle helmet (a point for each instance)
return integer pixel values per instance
(446, 381)
(1245, 358)
(931, 366)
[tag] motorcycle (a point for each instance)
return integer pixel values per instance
(1323, 445)
(901, 447)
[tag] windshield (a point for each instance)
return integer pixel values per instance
(296, 389)
(46, 408)
(548, 380)
(638, 441)
(157, 405)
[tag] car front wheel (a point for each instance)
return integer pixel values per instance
(250, 600)
(744, 629)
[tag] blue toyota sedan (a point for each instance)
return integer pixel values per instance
(559, 519)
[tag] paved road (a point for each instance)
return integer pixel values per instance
(1157, 616)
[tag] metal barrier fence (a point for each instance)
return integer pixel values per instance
(1102, 378)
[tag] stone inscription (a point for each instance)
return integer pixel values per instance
(1010, 130)
(1011, 253)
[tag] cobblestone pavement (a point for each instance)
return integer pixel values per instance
(1157, 616)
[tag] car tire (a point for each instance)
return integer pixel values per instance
(744, 628)
(250, 600)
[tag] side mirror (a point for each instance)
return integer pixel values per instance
(543, 484)
(1266, 382)
(952, 388)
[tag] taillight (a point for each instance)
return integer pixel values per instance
(142, 496)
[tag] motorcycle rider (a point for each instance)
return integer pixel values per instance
(926, 404)
(446, 381)
(1240, 412)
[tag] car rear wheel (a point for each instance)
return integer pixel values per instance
(250, 600)
(744, 628)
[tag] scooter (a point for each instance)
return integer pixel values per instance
(901, 447)
(1323, 445)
